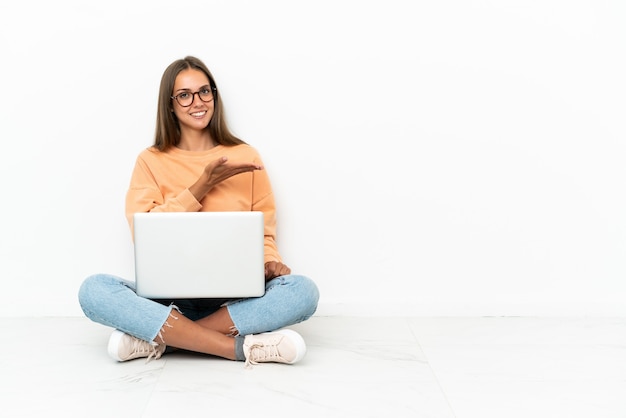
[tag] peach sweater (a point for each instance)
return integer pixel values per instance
(160, 182)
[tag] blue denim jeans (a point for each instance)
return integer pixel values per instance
(112, 301)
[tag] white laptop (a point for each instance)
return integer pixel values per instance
(180, 255)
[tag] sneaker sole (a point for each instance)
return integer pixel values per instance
(114, 344)
(297, 340)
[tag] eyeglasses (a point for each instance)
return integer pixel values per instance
(185, 98)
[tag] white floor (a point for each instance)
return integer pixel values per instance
(354, 367)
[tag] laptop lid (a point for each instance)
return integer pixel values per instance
(199, 254)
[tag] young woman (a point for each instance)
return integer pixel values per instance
(197, 164)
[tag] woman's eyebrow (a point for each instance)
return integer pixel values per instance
(200, 88)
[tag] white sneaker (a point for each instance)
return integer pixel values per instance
(123, 347)
(283, 346)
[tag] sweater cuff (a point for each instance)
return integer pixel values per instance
(188, 201)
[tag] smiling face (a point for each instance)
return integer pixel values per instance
(197, 116)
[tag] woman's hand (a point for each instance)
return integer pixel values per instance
(216, 172)
(274, 269)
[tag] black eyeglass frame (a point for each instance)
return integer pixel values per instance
(211, 88)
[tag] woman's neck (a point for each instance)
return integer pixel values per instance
(196, 141)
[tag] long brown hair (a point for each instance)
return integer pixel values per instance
(167, 128)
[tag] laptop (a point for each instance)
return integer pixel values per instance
(181, 255)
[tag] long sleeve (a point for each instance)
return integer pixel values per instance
(145, 194)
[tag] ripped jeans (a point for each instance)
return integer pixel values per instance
(112, 301)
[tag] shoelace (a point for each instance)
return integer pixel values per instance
(154, 353)
(140, 346)
(262, 353)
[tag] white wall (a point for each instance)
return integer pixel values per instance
(430, 158)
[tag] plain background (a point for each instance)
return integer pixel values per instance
(428, 158)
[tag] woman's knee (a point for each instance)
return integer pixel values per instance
(307, 295)
(95, 288)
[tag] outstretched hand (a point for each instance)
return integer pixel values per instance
(216, 172)
(219, 170)
(274, 269)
